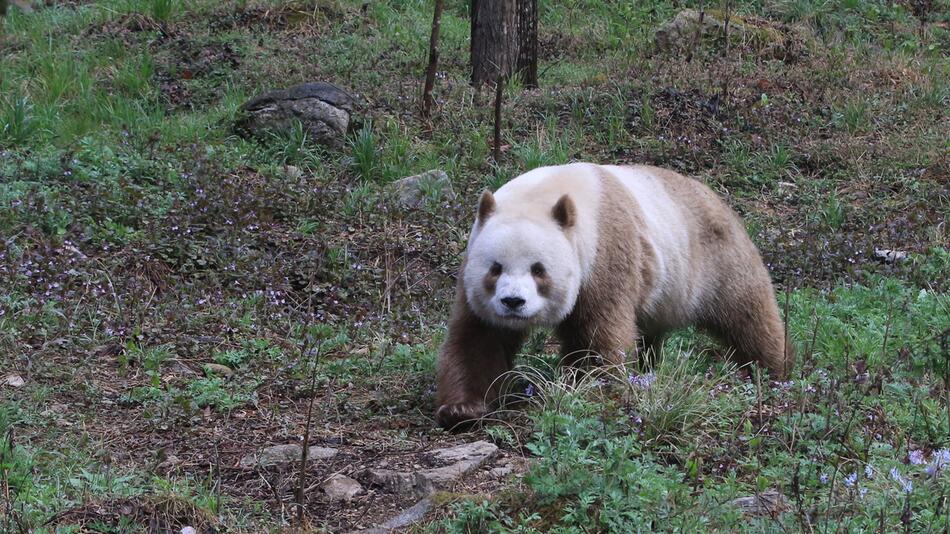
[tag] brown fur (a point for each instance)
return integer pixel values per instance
(742, 312)
(473, 357)
(603, 322)
(608, 315)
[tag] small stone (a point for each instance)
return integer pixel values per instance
(216, 369)
(414, 191)
(766, 503)
(341, 488)
(292, 172)
(890, 256)
(500, 472)
(169, 463)
(15, 381)
(282, 454)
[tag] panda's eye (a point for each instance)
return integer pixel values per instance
(537, 270)
(495, 269)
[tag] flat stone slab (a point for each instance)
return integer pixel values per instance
(282, 454)
(461, 459)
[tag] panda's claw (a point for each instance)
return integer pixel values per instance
(460, 416)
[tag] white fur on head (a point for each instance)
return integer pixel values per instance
(502, 263)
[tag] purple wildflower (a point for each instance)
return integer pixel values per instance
(939, 461)
(907, 485)
(529, 391)
(642, 381)
(869, 472)
(916, 457)
(851, 479)
(823, 478)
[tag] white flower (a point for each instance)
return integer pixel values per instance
(868, 471)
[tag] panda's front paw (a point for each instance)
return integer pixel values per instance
(459, 416)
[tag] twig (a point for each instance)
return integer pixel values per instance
(433, 60)
(302, 476)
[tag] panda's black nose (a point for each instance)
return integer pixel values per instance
(513, 303)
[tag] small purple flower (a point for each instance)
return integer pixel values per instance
(907, 485)
(823, 478)
(851, 479)
(916, 457)
(868, 472)
(642, 381)
(862, 492)
(529, 391)
(939, 462)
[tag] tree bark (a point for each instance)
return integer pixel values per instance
(494, 45)
(528, 42)
(433, 59)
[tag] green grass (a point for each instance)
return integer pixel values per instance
(669, 449)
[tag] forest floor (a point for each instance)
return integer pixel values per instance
(143, 240)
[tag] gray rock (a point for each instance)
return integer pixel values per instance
(766, 503)
(890, 256)
(461, 460)
(282, 454)
(414, 483)
(477, 451)
(216, 369)
(409, 515)
(14, 381)
(323, 109)
(769, 40)
(413, 191)
(341, 488)
(501, 472)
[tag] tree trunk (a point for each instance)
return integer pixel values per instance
(494, 46)
(528, 42)
(433, 60)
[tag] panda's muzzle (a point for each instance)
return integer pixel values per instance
(513, 303)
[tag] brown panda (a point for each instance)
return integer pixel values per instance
(604, 255)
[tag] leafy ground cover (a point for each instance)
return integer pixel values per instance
(143, 241)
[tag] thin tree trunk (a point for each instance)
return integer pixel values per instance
(528, 42)
(494, 44)
(496, 152)
(433, 60)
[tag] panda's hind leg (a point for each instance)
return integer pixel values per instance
(745, 316)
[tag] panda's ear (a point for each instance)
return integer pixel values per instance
(564, 212)
(486, 206)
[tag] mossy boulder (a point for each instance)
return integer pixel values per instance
(762, 37)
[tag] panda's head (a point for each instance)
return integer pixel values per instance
(521, 269)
